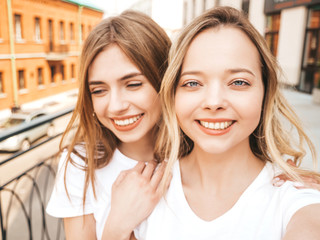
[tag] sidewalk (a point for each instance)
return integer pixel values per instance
(309, 114)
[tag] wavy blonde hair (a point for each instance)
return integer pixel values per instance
(147, 45)
(270, 141)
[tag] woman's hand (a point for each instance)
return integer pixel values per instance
(308, 181)
(135, 193)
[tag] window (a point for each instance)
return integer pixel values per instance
(37, 30)
(21, 80)
(310, 71)
(272, 32)
(1, 84)
(0, 32)
(51, 37)
(61, 31)
(81, 32)
(62, 73)
(245, 6)
(71, 32)
(40, 77)
(72, 71)
(53, 73)
(18, 27)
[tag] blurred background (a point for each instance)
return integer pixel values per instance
(40, 44)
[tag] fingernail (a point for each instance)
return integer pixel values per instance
(278, 183)
(276, 179)
(298, 184)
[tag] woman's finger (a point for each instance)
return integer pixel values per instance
(158, 174)
(290, 162)
(307, 186)
(149, 169)
(120, 178)
(139, 167)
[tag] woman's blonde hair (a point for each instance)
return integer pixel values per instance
(270, 141)
(147, 45)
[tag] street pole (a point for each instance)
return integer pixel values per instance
(13, 57)
(80, 25)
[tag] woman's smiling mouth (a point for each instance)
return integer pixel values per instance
(216, 125)
(127, 123)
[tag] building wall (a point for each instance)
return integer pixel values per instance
(232, 3)
(31, 54)
(256, 15)
(291, 42)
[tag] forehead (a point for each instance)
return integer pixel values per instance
(111, 63)
(222, 47)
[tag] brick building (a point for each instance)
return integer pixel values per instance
(40, 42)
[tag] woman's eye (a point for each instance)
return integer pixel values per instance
(97, 91)
(240, 83)
(191, 84)
(133, 85)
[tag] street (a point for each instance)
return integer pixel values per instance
(309, 114)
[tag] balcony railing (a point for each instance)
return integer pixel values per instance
(57, 52)
(24, 196)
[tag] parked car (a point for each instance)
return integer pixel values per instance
(23, 141)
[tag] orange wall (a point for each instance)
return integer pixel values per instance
(31, 55)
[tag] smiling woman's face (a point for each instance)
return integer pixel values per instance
(220, 91)
(123, 99)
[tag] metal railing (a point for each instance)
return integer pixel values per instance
(24, 196)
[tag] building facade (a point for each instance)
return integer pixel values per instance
(40, 42)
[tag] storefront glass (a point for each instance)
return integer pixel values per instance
(272, 32)
(310, 72)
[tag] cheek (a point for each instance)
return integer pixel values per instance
(179, 106)
(99, 105)
(252, 111)
(185, 104)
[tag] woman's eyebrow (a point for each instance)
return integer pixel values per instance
(130, 75)
(125, 77)
(239, 70)
(96, 82)
(190, 73)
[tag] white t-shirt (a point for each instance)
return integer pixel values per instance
(262, 212)
(59, 204)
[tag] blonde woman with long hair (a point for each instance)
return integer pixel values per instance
(117, 116)
(224, 116)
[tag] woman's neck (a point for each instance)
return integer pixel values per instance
(237, 166)
(213, 183)
(142, 150)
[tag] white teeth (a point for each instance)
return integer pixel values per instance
(127, 121)
(217, 125)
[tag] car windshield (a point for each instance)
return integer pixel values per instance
(12, 122)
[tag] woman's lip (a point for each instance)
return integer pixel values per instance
(129, 126)
(215, 132)
(215, 119)
(126, 117)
